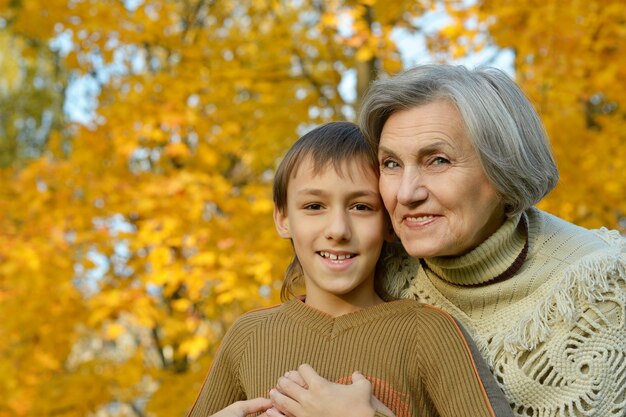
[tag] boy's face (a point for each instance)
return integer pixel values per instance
(337, 225)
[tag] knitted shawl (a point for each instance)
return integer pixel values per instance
(545, 301)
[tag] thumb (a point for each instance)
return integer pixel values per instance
(358, 377)
(364, 383)
(256, 405)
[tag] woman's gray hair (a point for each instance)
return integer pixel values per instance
(502, 124)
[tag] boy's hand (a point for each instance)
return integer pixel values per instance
(306, 394)
(243, 408)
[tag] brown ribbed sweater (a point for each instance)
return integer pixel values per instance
(419, 360)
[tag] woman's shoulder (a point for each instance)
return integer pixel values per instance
(554, 236)
(579, 260)
(584, 270)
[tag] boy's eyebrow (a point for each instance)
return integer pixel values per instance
(321, 193)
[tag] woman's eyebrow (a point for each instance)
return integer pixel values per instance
(425, 150)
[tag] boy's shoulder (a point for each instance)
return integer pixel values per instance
(259, 314)
(251, 322)
(422, 314)
(426, 324)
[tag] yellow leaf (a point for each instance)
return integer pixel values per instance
(365, 53)
(204, 259)
(113, 331)
(177, 150)
(262, 206)
(46, 360)
(194, 346)
(181, 304)
(329, 19)
(160, 257)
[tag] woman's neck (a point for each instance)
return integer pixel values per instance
(496, 259)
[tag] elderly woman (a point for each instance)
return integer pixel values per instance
(463, 159)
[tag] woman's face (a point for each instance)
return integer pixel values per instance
(431, 181)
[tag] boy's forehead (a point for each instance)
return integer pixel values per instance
(353, 166)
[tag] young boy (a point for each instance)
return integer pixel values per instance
(417, 359)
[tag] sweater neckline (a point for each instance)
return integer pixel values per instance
(495, 260)
(331, 326)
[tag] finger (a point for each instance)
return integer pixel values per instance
(283, 403)
(297, 378)
(290, 388)
(273, 412)
(255, 405)
(309, 375)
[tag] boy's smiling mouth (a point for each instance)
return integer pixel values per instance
(336, 256)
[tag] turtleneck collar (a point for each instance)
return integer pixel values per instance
(496, 259)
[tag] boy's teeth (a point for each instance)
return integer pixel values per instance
(334, 257)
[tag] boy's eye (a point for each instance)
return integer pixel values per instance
(361, 207)
(313, 206)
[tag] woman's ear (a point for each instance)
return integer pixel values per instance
(282, 224)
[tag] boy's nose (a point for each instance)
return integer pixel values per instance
(338, 227)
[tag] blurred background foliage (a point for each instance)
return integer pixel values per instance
(138, 140)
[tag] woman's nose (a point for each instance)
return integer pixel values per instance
(412, 189)
(338, 227)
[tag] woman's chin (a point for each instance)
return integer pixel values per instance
(418, 249)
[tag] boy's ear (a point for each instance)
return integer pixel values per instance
(281, 223)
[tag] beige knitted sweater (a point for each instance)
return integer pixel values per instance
(552, 327)
(418, 359)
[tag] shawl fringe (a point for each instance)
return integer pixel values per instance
(400, 269)
(582, 282)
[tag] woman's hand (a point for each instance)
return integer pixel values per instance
(243, 408)
(306, 394)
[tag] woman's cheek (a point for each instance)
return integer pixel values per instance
(388, 192)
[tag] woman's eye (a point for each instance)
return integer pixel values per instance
(440, 160)
(390, 163)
